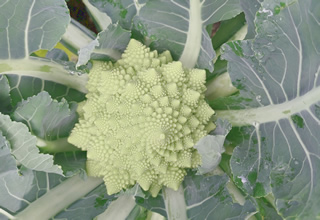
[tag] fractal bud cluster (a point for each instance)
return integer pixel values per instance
(141, 119)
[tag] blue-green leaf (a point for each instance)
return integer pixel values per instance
(277, 127)
(180, 27)
(46, 118)
(30, 25)
(23, 146)
(109, 44)
(5, 98)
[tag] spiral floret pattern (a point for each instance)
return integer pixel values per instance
(141, 119)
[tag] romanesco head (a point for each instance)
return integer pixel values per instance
(141, 119)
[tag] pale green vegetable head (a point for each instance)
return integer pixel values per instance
(141, 119)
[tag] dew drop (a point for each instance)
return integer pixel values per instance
(258, 98)
(270, 47)
(296, 162)
(260, 55)
(267, 11)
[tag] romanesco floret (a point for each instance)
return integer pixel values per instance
(141, 119)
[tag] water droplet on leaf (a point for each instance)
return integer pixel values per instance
(260, 55)
(258, 98)
(270, 47)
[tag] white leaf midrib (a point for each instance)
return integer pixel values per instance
(26, 34)
(192, 46)
(57, 73)
(270, 113)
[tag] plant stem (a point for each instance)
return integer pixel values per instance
(220, 86)
(102, 20)
(239, 35)
(118, 209)
(192, 46)
(270, 198)
(45, 70)
(156, 216)
(175, 203)
(6, 214)
(84, 36)
(59, 145)
(59, 198)
(272, 112)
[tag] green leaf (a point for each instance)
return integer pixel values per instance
(208, 198)
(179, 26)
(109, 44)
(83, 36)
(120, 12)
(278, 137)
(30, 25)
(200, 197)
(267, 211)
(250, 8)
(46, 118)
(5, 98)
(72, 162)
(39, 195)
(153, 204)
(88, 206)
(138, 213)
(211, 147)
(8, 163)
(14, 189)
(220, 67)
(100, 19)
(227, 30)
(23, 146)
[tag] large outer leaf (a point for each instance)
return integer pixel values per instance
(23, 146)
(46, 118)
(39, 195)
(211, 147)
(180, 27)
(200, 197)
(278, 128)
(208, 198)
(30, 25)
(250, 8)
(120, 11)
